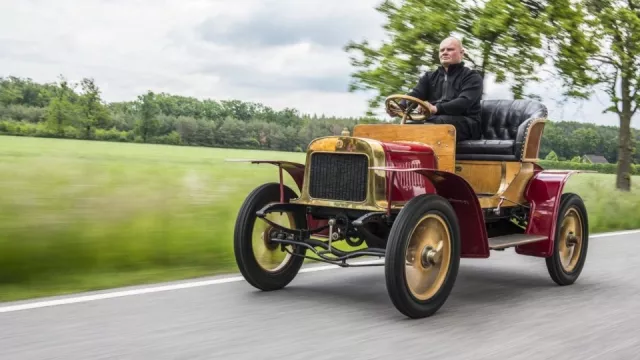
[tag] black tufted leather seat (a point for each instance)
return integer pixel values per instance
(504, 130)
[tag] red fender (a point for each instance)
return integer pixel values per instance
(475, 242)
(543, 194)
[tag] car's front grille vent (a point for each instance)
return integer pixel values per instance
(338, 176)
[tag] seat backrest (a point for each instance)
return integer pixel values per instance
(500, 118)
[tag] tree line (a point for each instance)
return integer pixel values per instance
(67, 110)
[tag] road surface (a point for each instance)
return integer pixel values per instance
(505, 307)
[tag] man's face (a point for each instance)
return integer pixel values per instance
(450, 52)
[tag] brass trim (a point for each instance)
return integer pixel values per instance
(376, 185)
(533, 139)
(309, 162)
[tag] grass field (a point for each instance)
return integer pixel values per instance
(83, 215)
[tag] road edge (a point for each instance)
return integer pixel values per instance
(186, 284)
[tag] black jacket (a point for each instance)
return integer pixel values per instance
(456, 92)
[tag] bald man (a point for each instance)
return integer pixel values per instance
(454, 92)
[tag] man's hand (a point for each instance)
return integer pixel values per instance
(432, 109)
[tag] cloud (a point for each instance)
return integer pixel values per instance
(282, 53)
(277, 23)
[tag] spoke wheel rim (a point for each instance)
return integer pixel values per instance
(428, 257)
(570, 244)
(268, 255)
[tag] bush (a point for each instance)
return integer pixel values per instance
(113, 134)
(24, 113)
(600, 168)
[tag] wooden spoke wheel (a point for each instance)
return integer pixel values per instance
(264, 264)
(422, 256)
(571, 241)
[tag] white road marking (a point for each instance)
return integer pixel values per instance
(149, 290)
(615, 233)
(193, 284)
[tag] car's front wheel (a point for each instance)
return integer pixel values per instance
(422, 256)
(263, 263)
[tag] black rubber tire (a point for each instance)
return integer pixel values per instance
(554, 265)
(399, 237)
(245, 259)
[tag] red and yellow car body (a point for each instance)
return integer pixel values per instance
(375, 183)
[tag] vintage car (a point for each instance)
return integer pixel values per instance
(411, 194)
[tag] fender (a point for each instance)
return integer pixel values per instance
(543, 194)
(475, 242)
(296, 171)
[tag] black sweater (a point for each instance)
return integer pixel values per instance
(456, 92)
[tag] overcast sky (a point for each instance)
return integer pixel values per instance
(282, 53)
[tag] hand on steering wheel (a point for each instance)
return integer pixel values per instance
(422, 108)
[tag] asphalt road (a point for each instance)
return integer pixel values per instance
(505, 307)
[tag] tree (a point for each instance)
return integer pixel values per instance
(149, 111)
(94, 112)
(503, 37)
(597, 43)
(506, 38)
(62, 111)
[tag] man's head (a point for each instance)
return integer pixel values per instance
(451, 51)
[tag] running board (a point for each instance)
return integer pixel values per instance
(506, 241)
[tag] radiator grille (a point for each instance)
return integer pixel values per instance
(337, 176)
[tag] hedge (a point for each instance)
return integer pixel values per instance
(601, 168)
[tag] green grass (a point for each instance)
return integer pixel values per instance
(85, 215)
(77, 211)
(608, 208)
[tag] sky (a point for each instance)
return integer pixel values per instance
(277, 52)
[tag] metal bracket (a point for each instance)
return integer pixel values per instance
(502, 199)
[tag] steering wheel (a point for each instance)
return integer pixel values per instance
(392, 105)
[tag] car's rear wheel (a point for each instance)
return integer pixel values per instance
(264, 264)
(422, 256)
(571, 241)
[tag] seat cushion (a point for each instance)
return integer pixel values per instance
(500, 119)
(495, 147)
(503, 130)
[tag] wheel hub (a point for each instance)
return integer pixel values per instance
(572, 239)
(428, 253)
(570, 245)
(431, 257)
(266, 236)
(269, 255)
